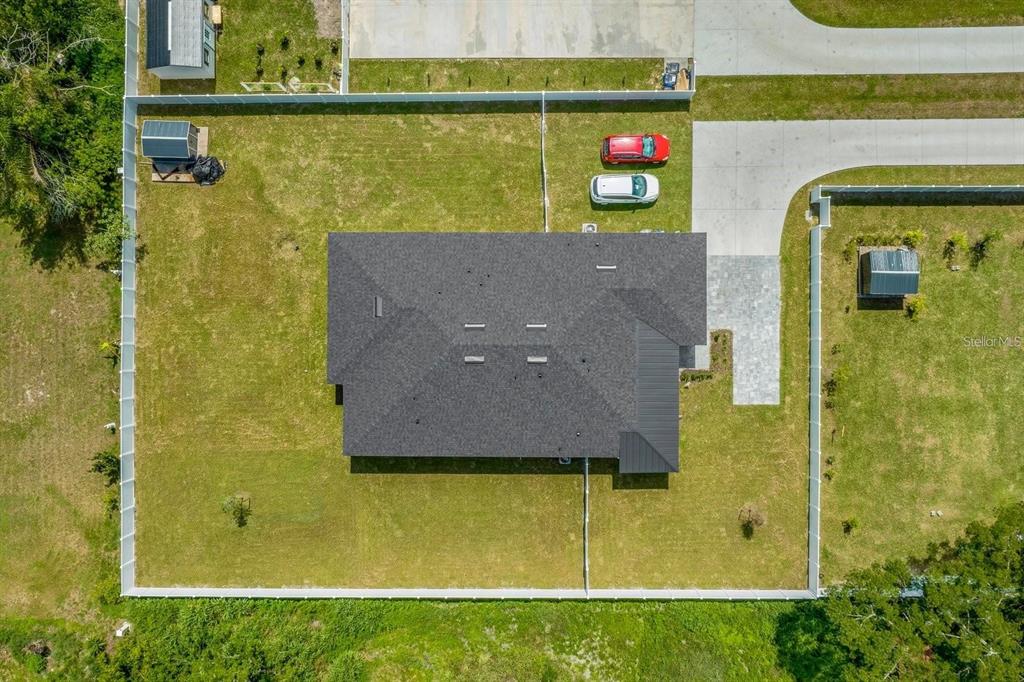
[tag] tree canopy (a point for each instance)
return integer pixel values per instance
(966, 622)
(61, 68)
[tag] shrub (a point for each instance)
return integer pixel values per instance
(981, 249)
(318, 62)
(850, 525)
(107, 463)
(260, 49)
(751, 518)
(916, 306)
(840, 376)
(913, 238)
(285, 42)
(301, 60)
(955, 244)
(239, 509)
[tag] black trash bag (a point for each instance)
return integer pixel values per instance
(207, 170)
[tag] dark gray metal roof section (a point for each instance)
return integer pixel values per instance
(890, 272)
(174, 33)
(169, 139)
(578, 358)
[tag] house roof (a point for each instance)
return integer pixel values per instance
(174, 33)
(514, 345)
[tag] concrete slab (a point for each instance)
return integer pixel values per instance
(771, 37)
(443, 29)
(745, 175)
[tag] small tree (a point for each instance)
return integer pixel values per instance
(107, 463)
(955, 244)
(239, 509)
(981, 249)
(916, 306)
(751, 518)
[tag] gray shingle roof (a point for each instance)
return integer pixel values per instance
(608, 386)
(174, 33)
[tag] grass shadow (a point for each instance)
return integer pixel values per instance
(51, 246)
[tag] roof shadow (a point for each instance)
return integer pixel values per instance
(533, 466)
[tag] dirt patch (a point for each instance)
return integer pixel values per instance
(328, 18)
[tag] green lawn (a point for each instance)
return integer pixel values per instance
(440, 75)
(688, 534)
(56, 393)
(248, 23)
(232, 393)
(572, 151)
(925, 422)
(883, 14)
(749, 98)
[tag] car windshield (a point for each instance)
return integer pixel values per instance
(648, 145)
(639, 186)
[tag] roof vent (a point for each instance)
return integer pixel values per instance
(378, 306)
(474, 359)
(606, 268)
(474, 326)
(537, 359)
(536, 326)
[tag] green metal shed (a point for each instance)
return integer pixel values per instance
(889, 272)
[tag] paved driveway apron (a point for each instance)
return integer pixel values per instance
(521, 28)
(746, 173)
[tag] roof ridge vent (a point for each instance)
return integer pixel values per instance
(606, 268)
(474, 326)
(474, 359)
(536, 326)
(537, 359)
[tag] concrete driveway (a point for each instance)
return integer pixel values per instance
(746, 173)
(520, 28)
(771, 37)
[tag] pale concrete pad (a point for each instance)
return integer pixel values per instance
(745, 175)
(771, 37)
(520, 28)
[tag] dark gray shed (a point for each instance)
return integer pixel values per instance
(889, 272)
(169, 140)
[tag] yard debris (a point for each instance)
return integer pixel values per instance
(207, 170)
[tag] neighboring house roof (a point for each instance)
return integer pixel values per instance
(174, 33)
(891, 272)
(600, 380)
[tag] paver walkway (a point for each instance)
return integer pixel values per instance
(771, 37)
(521, 28)
(746, 173)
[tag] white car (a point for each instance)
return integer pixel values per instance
(639, 188)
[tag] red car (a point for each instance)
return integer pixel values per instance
(650, 148)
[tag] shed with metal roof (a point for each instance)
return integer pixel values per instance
(170, 140)
(890, 272)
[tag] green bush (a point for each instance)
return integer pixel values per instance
(955, 244)
(107, 463)
(239, 508)
(916, 306)
(913, 238)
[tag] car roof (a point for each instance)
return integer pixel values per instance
(621, 185)
(625, 144)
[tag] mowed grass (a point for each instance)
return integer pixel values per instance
(248, 23)
(469, 75)
(684, 530)
(56, 393)
(883, 14)
(232, 394)
(751, 98)
(925, 422)
(573, 155)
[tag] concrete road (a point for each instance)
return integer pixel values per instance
(521, 28)
(770, 37)
(746, 173)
